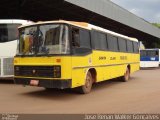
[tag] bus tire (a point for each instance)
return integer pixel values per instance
(126, 76)
(86, 88)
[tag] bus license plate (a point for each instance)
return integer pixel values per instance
(34, 82)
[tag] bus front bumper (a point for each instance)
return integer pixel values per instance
(60, 84)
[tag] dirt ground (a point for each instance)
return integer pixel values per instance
(140, 95)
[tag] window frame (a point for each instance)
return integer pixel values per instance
(122, 39)
(39, 55)
(76, 51)
(128, 46)
(136, 51)
(116, 42)
(93, 42)
(15, 25)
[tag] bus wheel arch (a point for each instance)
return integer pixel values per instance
(127, 72)
(129, 67)
(90, 78)
(86, 88)
(94, 74)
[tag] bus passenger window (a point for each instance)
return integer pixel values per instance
(157, 53)
(75, 38)
(112, 43)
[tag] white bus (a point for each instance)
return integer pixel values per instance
(150, 58)
(8, 45)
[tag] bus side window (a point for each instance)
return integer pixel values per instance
(112, 43)
(99, 40)
(85, 40)
(122, 45)
(136, 47)
(157, 53)
(130, 46)
(75, 38)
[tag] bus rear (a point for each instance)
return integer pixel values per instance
(149, 58)
(8, 45)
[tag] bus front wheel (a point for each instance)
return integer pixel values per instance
(86, 88)
(126, 76)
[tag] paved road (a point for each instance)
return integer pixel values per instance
(140, 95)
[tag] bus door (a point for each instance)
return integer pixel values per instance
(81, 55)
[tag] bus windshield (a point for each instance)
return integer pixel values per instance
(44, 39)
(149, 53)
(8, 32)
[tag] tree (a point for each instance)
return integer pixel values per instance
(156, 24)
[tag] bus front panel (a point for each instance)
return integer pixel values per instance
(48, 72)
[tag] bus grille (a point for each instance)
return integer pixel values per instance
(35, 71)
(8, 68)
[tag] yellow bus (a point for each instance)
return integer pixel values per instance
(66, 54)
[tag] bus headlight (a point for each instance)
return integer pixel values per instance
(57, 71)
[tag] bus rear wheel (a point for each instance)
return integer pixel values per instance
(126, 76)
(86, 88)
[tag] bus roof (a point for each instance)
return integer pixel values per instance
(112, 33)
(151, 49)
(78, 24)
(85, 26)
(15, 21)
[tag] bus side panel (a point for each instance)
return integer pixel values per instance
(78, 77)
(107, 61)
(108, 65)
(114, 64)
(99, 62)
(80, 67)
(66, 70)
(135, 58)
(135, 67)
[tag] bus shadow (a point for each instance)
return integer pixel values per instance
(111, 83)
(52, 94)
(108, 83)
(151, 68)
(68, 94)
(6, 81)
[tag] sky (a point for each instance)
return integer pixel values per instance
(146, 9)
